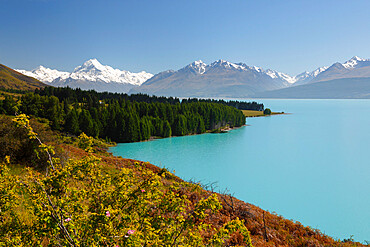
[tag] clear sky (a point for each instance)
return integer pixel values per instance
(290, 36)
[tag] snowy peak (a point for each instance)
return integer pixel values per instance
(200, 67)
(218, 79)
(93, 70)
(92, 64)
(227, 65)
(45, 75)
(307, 76)
(90, 71)
(355, 67)
(356, 62)
(278, 75)
(197, 66)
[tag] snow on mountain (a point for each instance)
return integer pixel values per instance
(279, 75)
(355, 67)
(198, 66)
(308, 76)
(356, 62)
(218, 79)
(45, 75)
(93, 72)
(227, 65)
(243, 67)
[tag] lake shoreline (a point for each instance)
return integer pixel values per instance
(220, 131)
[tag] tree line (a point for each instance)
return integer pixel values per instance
(77, 95)
(122, 117)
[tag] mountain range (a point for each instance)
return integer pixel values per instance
(90, 75)
(221, 78)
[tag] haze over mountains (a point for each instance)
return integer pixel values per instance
(341, 80)
(221, 78)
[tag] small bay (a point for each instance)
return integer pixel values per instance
(312, 165)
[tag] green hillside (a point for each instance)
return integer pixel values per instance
(11, 79)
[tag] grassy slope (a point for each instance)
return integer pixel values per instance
(266, 229)
(11, 79)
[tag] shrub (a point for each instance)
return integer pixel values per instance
(267, 111)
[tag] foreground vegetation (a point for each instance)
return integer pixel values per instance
(80, 202)
(81, 195)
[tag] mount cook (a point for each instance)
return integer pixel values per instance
(90, 75)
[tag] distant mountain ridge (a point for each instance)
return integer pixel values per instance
(347, 80)
(90, 75)
(225, 79)
(218, 79)
(344, 88)
(11, 79)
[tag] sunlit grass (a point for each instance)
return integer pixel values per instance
(250, 113)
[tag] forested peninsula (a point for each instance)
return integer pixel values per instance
(127, 118)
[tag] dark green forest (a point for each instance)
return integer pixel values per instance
(126, 118)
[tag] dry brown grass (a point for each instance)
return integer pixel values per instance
(250, 113)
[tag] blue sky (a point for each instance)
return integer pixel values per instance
(290, 36)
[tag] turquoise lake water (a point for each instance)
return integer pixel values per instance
(311, 166)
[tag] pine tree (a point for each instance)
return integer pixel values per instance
(180, 125)
(71, 123)
(85, 122)
(167, 132)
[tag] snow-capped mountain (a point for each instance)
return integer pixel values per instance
(45, 75)
(197, 67)
(243, 67)
(356, 62)
(350, 79)
(91, 75)
(308, 76)
(218, 79)
(354, 68)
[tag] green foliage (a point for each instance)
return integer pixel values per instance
(85, 142)
(167, 132)
(180, 126)
(71, 123)
(230, 228)
(8, 106)
(267, 111)
(20, 143)
(124, 118)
